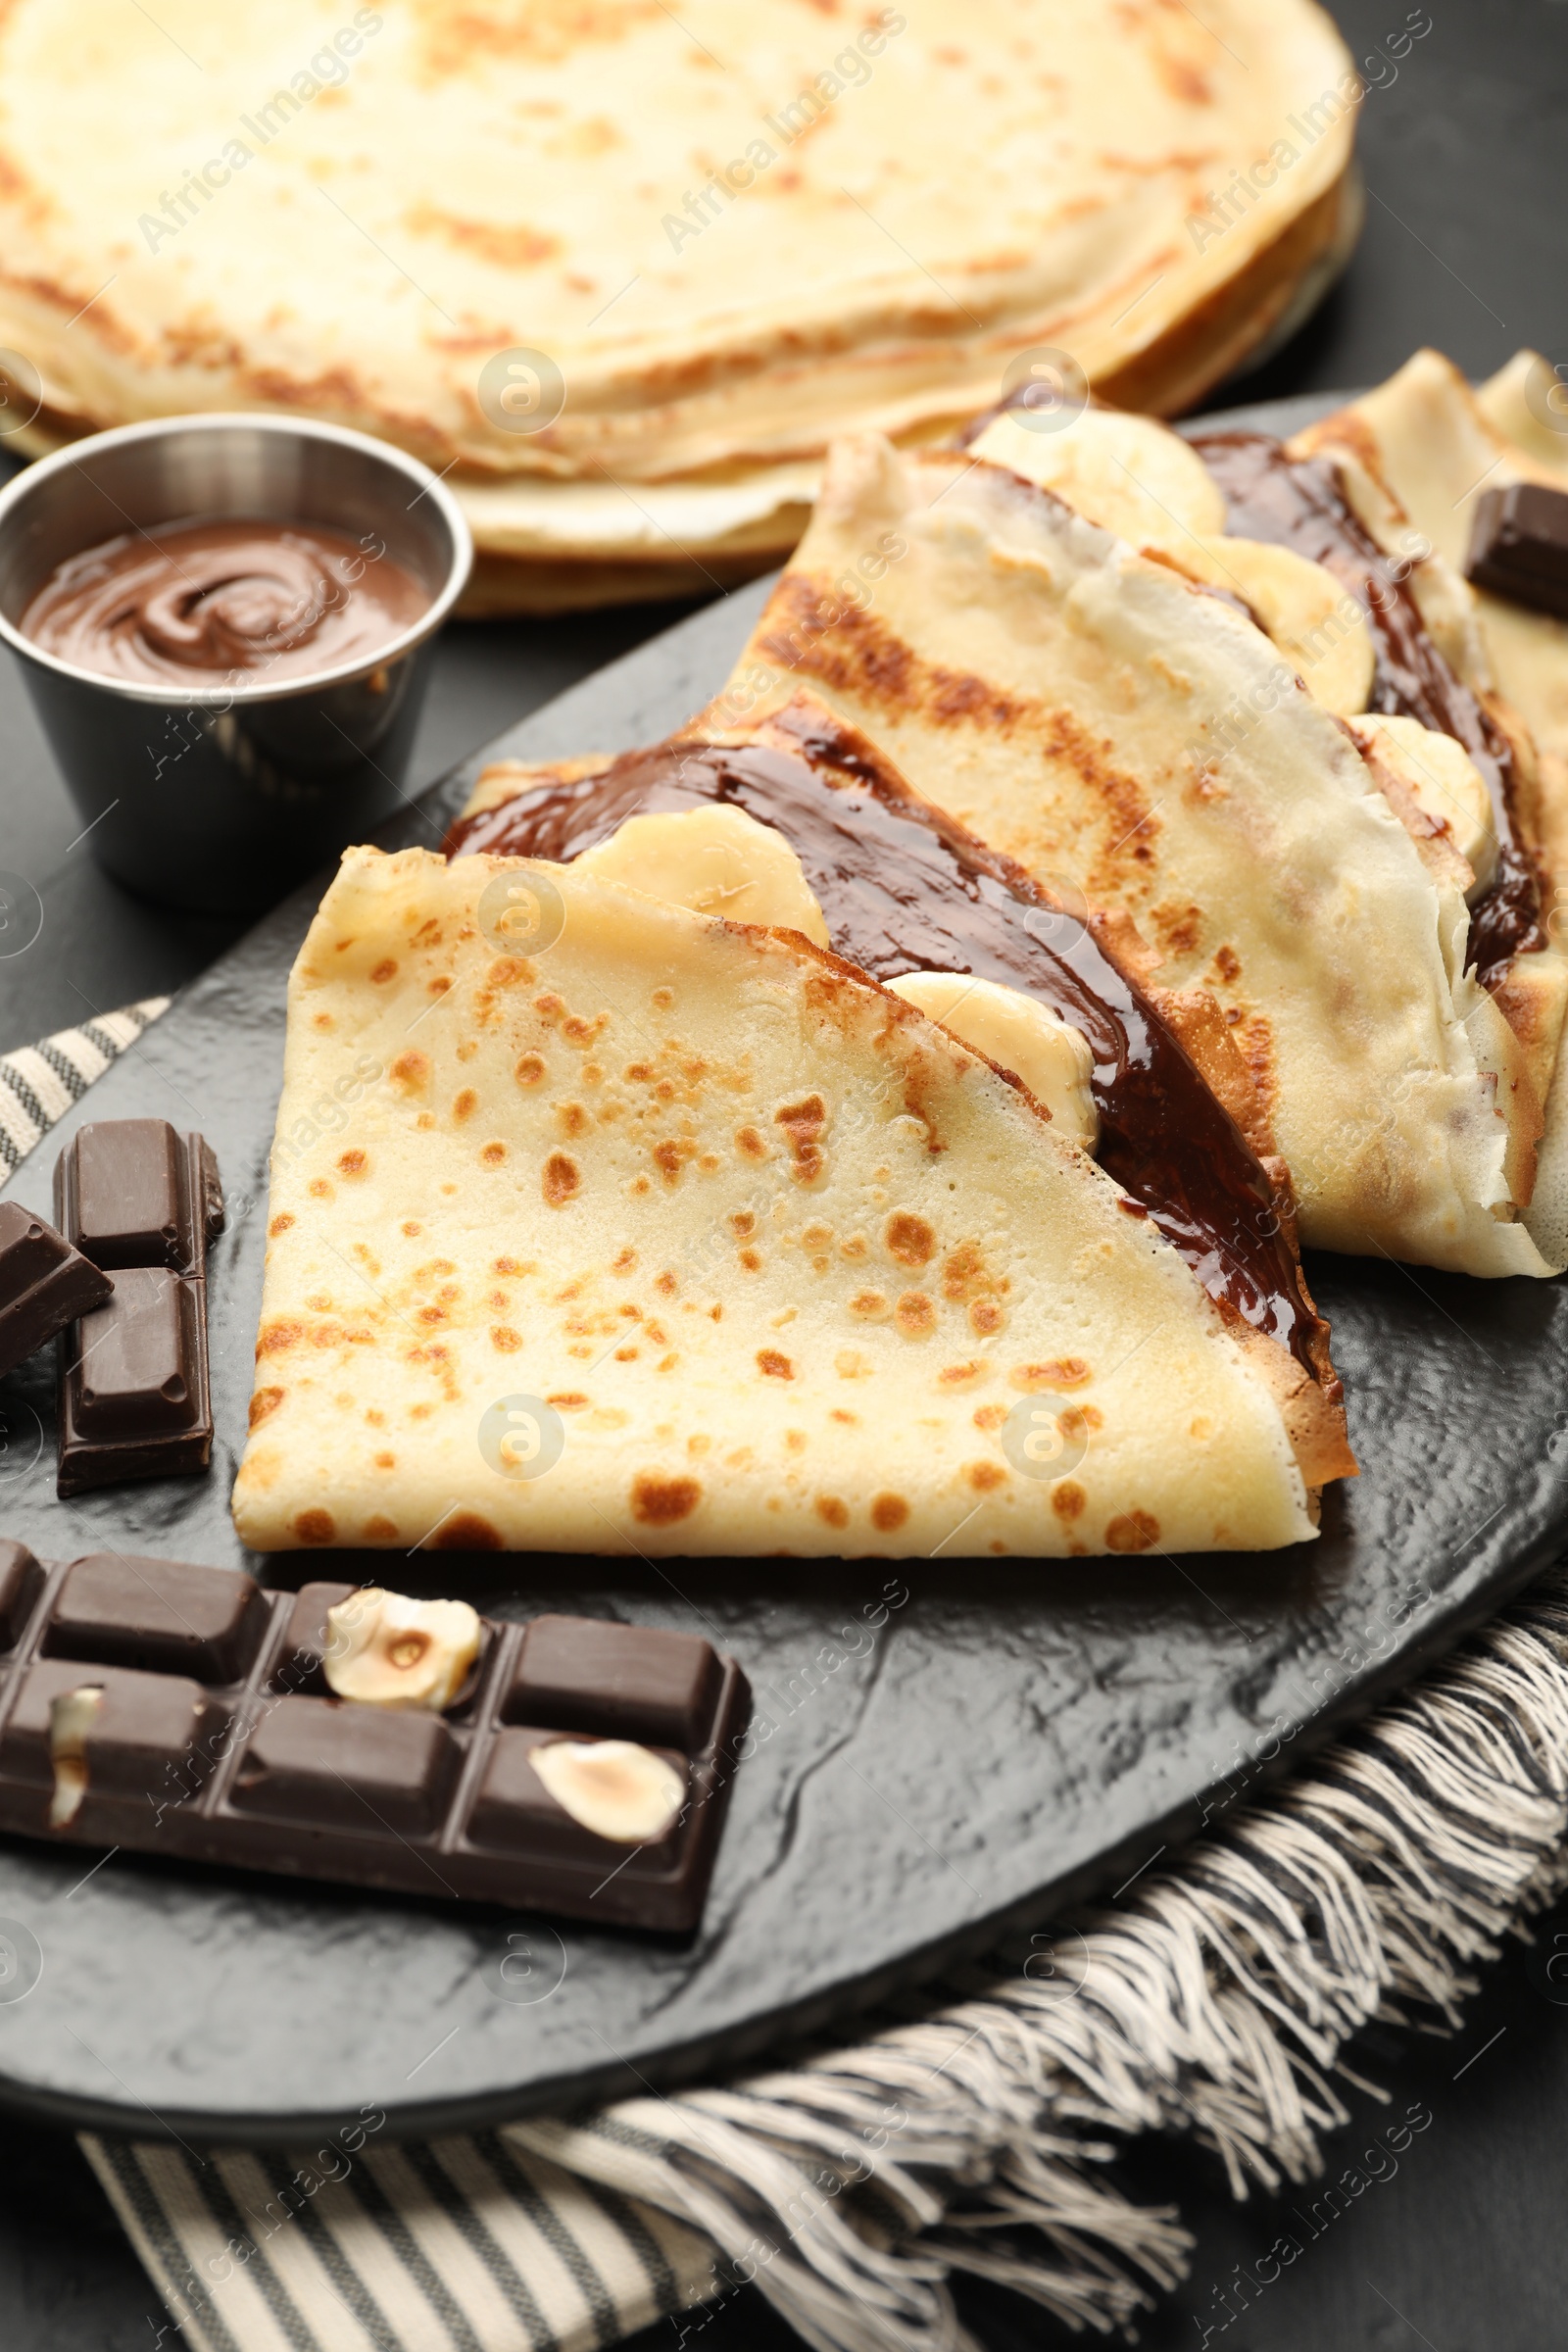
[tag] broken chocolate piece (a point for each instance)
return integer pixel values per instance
(133, 1392)
(135, 1193)
(182, 1710)
(1519, 546)
(134, 1196)
(45, 1284)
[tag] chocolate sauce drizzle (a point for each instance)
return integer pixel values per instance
(1300, 503)
(902, 888)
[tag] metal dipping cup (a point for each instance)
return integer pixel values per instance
(216, 798)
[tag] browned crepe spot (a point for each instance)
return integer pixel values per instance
(1132, 1531)
(1060, 1372)
(560, 1179)
(660, 1502)
(466, 1531)
(909, 1239)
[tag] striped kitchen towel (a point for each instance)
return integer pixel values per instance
(472, 2243)
(967, 2128)
(38, 1084)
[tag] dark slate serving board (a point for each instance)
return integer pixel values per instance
(945, 1749)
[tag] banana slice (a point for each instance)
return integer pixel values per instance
(72, 1716)
(714, 860)
(1313, 620)
(1141, 480)
(612, 1787)
(389, 1652)
(1444, 782)
(1127, 474)
(1053, 1059)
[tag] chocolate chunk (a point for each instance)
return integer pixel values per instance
(299, 1661)
(133, 1392)
(199, 1724)
(515, 1811)
(375, 1771)
(20, 1583)
(135, 1193)
(624, 1681)
(1519, 546)
(157, 1615)
(45, 1284)
(151, 1743)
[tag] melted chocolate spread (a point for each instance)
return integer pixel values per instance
(1299, 503)
(230, 598)
(905, 889)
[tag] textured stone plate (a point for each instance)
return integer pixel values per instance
(944, 1749)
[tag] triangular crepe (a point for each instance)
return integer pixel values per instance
(783, 1267)
(1115, 728)
(1416, 456)
(898, 888)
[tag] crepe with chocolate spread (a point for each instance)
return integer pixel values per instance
(1414, 458)
(674, 1233)
(1131, 732)
(1161, 1098)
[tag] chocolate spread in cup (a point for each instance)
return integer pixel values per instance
(198, 602)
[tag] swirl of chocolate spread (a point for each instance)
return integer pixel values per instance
(1300, 503)
(193, 601)
(902, 888)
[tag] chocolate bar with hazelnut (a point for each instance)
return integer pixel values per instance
(577, 1766)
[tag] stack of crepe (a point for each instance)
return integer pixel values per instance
(720, 233)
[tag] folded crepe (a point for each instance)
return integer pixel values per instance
(1118, 728)
(1148, 1082)
(725, 230)
(1415, 458)
(738, 1251)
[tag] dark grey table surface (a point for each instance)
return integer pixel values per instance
(1466, 158)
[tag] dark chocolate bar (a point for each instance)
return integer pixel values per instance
(135, 1197)
(45, 1284)
(1519, 546)
(214, 1736)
